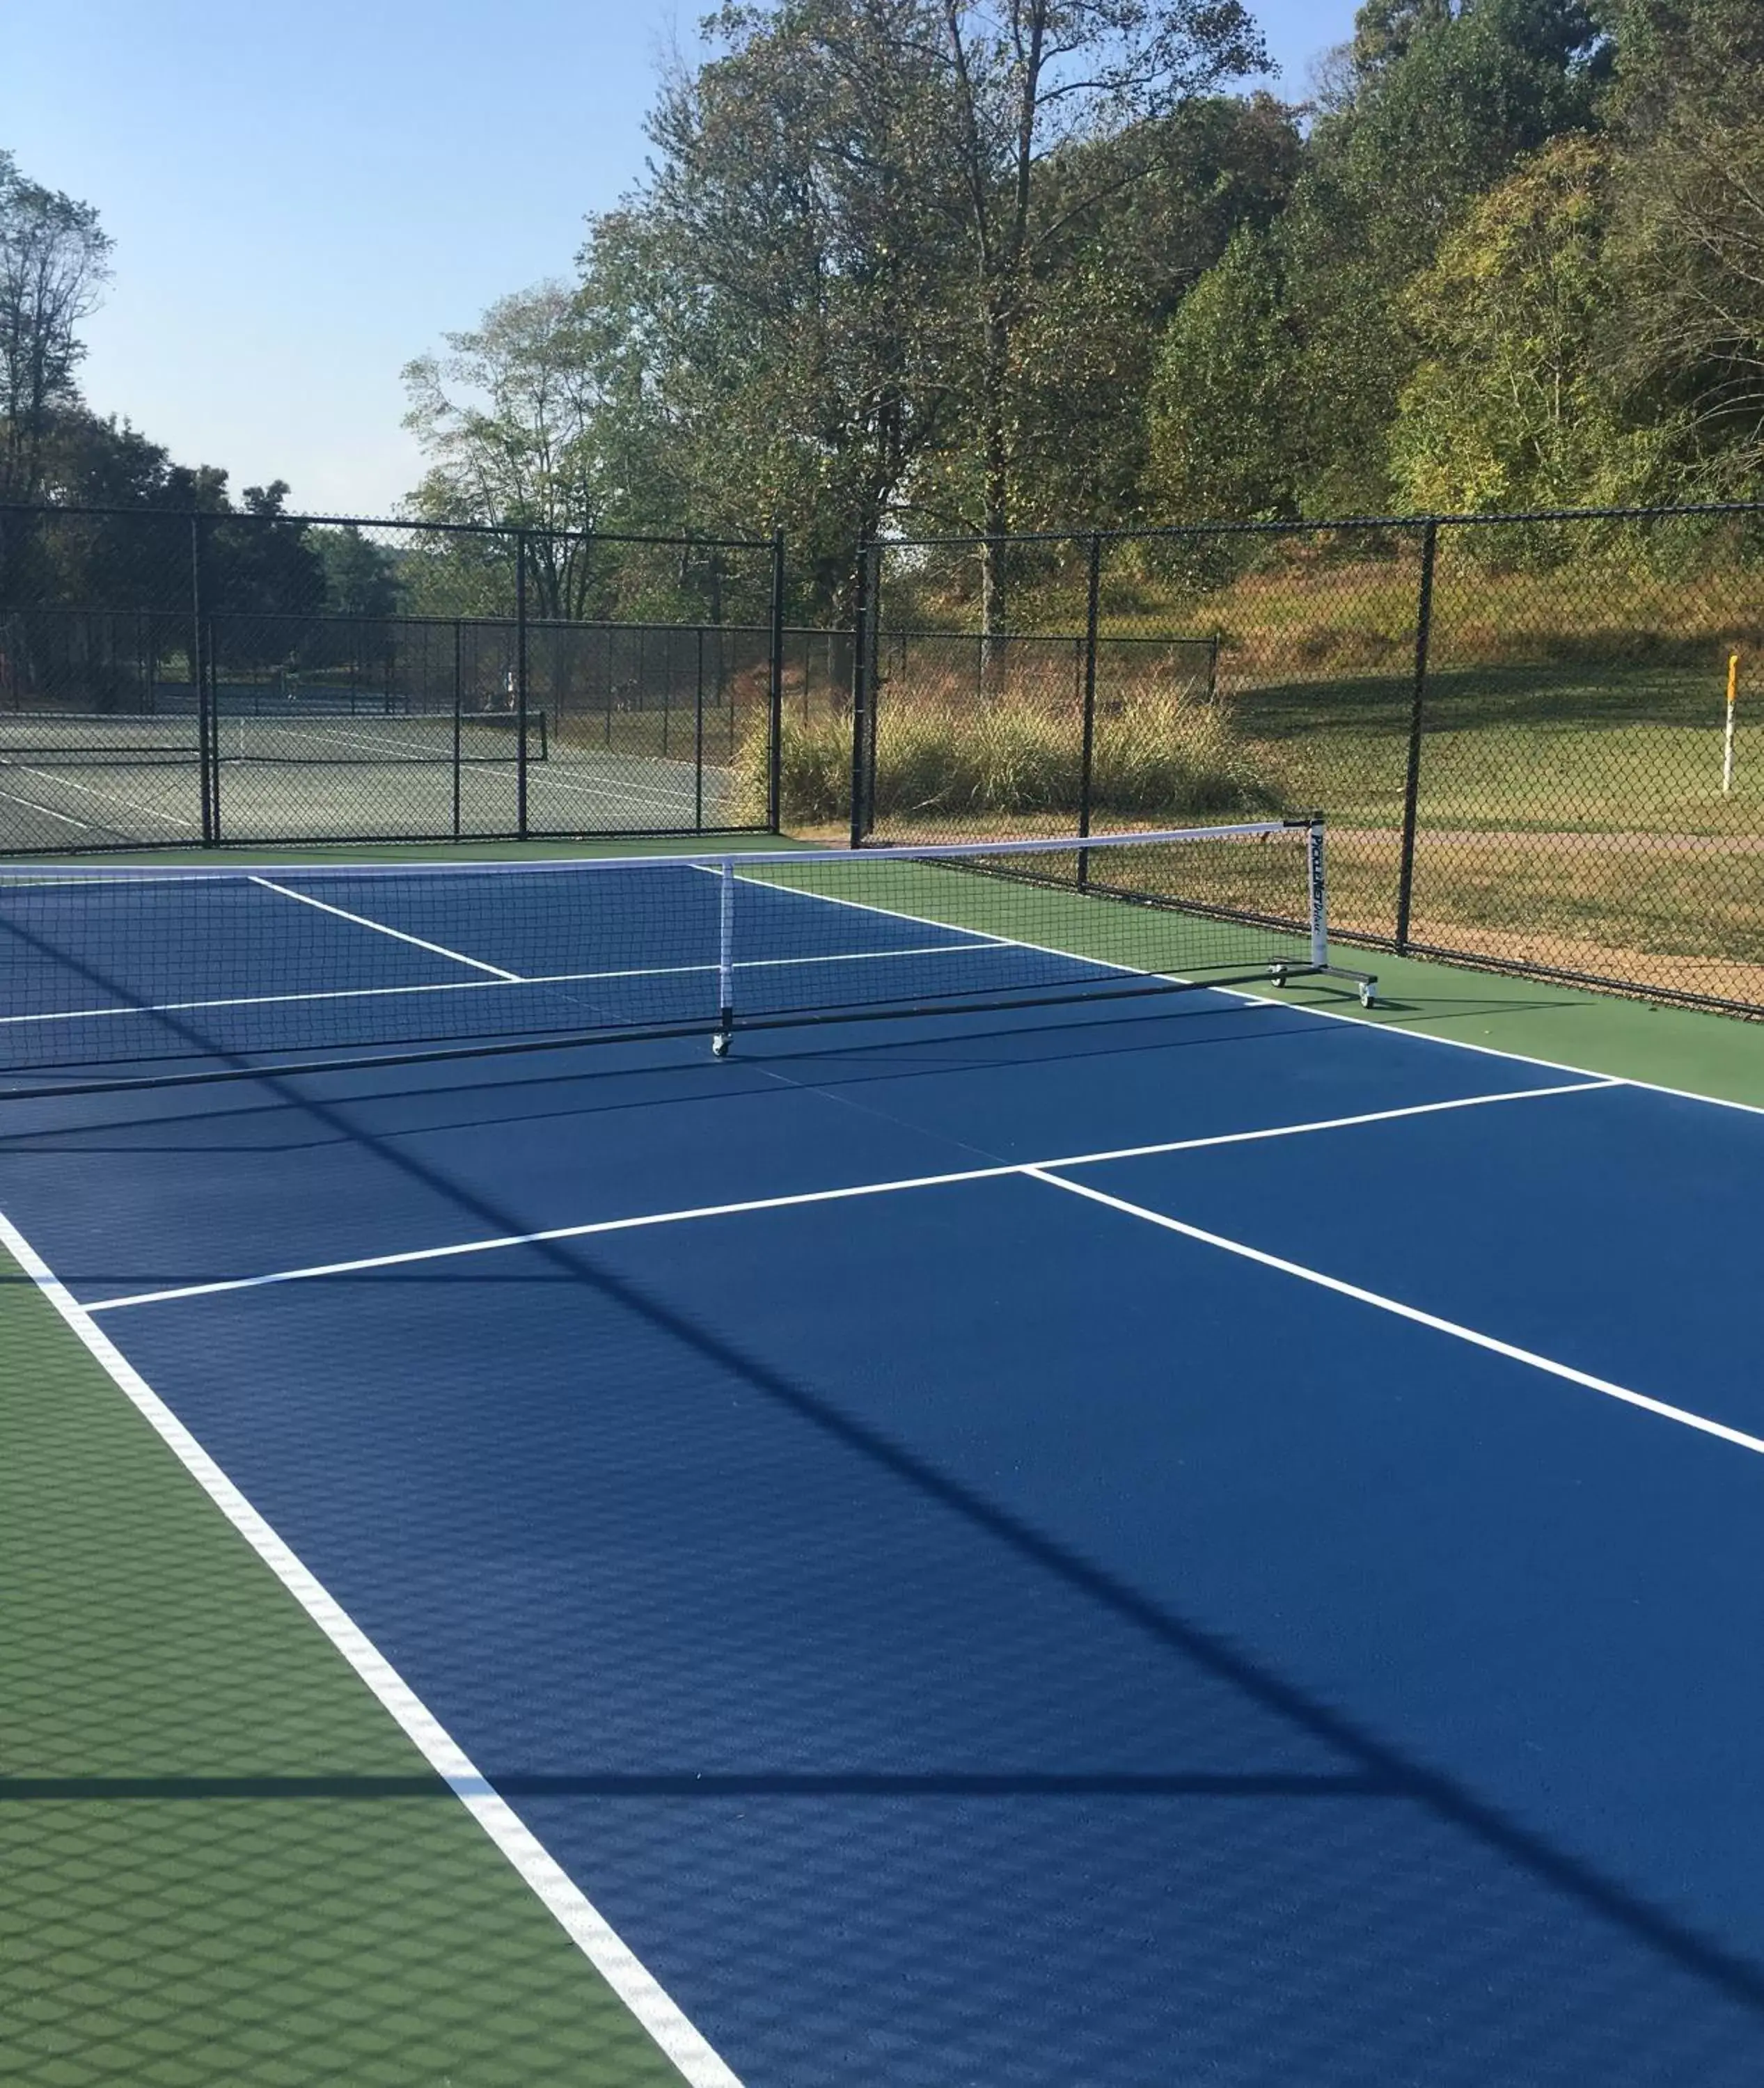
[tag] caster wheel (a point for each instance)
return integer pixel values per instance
(720, 1046)
(1367, 996)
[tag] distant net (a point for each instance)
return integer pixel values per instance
(130, 969)
(367, 739)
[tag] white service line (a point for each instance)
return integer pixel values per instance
(397, 934)
(1701, 1422)
(998, 1171)
(590, 1931)
(479, 985)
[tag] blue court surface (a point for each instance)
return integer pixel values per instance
(1179, 1541)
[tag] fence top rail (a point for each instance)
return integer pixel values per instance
(681, 540)
(387, 618)
(1316, 524)
(636, 867)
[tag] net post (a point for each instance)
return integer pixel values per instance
(1411, 787)
(725, 956)
(774, 715)
(1087, 756)
(1317, 882)
(520, 683)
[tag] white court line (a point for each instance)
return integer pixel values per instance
(998, 1172)
(115, 797)
(397, 934)
(587, 1927)
(480, 985)
(613, 786)
(1357, 1020)
(1682, 1415)
(66, 818)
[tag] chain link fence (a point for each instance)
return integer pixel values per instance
(204, 678)
(1519, 727)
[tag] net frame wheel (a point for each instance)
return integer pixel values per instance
(1368, 993)
(1277, 974)
(719, 1044)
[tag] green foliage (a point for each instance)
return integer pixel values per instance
(1508, 408)
(1221, 406)
(360, 577)
(54, 260)
(1441, 101)
(1687, 325)
(509, 419)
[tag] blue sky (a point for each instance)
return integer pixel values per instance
(304, 196)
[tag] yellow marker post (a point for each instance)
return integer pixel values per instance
(1727, 752)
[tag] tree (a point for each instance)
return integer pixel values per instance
(507, 418)
(1220, 437)
(361, 577)
(1031, 82)
(793, 316)
(1687, 249)
(1088, 352)
(54, 260)
(1508, 408)
(1441, 98)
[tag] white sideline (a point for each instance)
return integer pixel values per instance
(587, 1927)
(1682, 1415)
(1359, 1020)
(380, 928)
(997, 1172)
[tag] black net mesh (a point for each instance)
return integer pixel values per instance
(243, 966)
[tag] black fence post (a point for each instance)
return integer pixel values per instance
(1087, 755)
(207, 751)
(520, 683)
(861, 695)
(774, 725)
(458, 694)
(698, 739)
(1411, 788)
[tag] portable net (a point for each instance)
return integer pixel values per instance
(123, 972)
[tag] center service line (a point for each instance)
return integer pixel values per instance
(1682, 1415)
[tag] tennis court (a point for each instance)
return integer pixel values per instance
(64, 784)
(1100, 1534)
